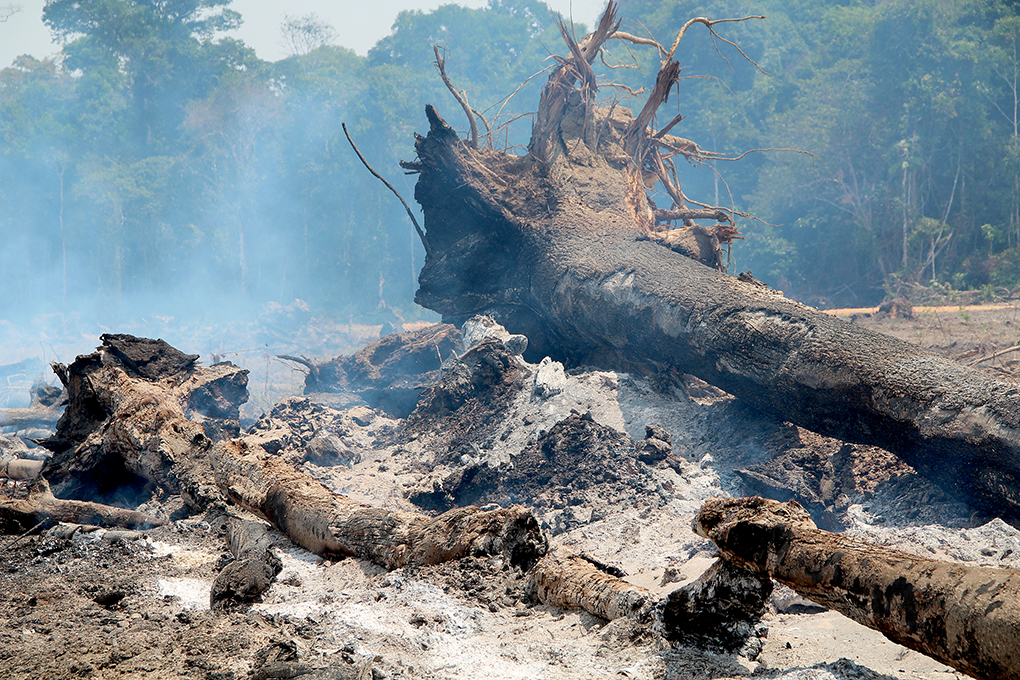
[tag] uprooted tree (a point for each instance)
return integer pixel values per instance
(564, 245)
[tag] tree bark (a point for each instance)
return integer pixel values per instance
(563, 579)
(140, 424)
(721, 609)
(253, 569)
(42, 508)
(561, 246)
(333, 525)
(965, 617)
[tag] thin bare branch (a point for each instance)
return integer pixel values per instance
(460, 96)
(506, 100)
(417, 227)
(602, 58)
(637, 40)
(668, 126)
(709, 23)
(625, 88)
(1008, 350)
(719, 157)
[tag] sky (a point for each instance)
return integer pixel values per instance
(359, 23)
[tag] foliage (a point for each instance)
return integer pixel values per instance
(156, 156)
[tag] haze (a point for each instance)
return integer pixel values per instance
(359, 25)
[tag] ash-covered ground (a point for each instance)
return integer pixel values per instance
(613, 465)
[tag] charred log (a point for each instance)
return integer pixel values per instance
(41, 509)
(43, 411)
(721, 610)
(965, 617)
(389, 373)
(333, 525)
(122, 431)
(253, 569)
(147, 432)
(560, 245)
(563, 579)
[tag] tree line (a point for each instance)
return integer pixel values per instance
(157, 158)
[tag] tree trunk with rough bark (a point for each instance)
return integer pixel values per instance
(720, 610)
(965, 617)
(121, 419)
(563, 245)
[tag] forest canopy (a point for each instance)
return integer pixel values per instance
(156, 157)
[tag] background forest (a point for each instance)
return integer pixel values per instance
(159, 162)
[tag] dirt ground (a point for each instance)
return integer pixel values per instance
(137, 606)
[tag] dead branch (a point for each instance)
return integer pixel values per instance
(331, 524)
(635, 139)
(709, 24)
(460, 96)
(669, 126)
(253, 569)
(417, 227)
(42, 509)
(140, 424)
(637, 40)
(19, 468)
(721, 609)
(965, 617)
(34, 416)
(703, 214)
(996, 355)
(563, 579)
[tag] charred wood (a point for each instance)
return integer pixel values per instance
(253, 569)
(41, 509)
(333, 525)
(722, 609)
(141, 425)
(388, 373)
(556, 245)
(965, 617)
(563, 579)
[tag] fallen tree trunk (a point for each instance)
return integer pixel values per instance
(42, 510)
(139, 423)
(333, 525)
(965, 617)
(563, 579)
(562, 245)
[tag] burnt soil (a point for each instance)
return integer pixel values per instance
(614, 466)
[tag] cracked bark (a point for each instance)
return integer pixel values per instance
(143, 424)
(966, 617)
(560, 248)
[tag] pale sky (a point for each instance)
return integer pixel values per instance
(359, 23)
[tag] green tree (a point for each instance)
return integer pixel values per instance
(163, 49)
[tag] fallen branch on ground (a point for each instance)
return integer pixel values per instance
(42, 510)
(253, 569)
